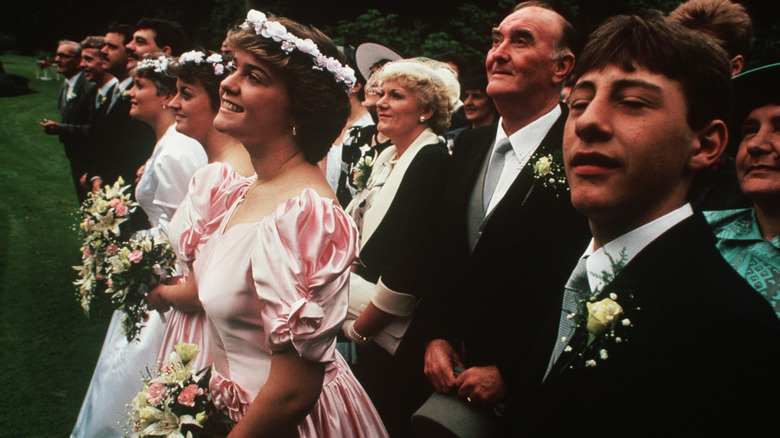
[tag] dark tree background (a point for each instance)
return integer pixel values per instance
(421, 27)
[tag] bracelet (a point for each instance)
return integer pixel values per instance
(357, 337)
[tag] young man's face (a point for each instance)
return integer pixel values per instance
(114, 54)
(141, 44)
(92, 63)
(626, 148)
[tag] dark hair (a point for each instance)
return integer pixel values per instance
(701, 67)
(163, 80)
(727, 23)
(202, 73)
(125, 30)
(568, 43)
(320, 106)
(166, 33)
(455, 58)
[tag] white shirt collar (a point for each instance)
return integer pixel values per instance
(124, 85)
(528, 138)
(107, 86)
(71, 81)
(629, 245)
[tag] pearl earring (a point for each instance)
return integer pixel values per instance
(295, 131)
(422, 119)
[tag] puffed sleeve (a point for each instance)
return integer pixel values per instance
(212, 190)
(301, 273)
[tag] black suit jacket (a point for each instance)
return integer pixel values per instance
(75, 118)
(492, 300)
(700, 357)
(118, 144)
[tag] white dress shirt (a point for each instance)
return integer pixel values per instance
(630, 244)
(524, 143)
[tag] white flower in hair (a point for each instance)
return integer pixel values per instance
(308, 47)
(274, 30)
(219, 69)
(277, 32)
(215, 58)
(191, 56)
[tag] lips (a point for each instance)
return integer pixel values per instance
(592, 163)
(230, 106)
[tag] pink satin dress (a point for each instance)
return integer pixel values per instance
(282, 283)
(198, 217)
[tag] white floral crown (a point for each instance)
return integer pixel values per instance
(271, 29)
(159, 64)
(198, 57)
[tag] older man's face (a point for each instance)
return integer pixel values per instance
(67, 60)
(758, 158)
(520, 65)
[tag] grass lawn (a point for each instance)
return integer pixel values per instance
(48, 348)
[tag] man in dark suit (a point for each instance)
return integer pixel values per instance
(118, 144)
(74, 101)
(656, 335)
(508, 229)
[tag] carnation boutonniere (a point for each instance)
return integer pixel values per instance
(125, 95)
(549, 172)
(362, 171)
(72, 95)
(602, 322)
(102, 99)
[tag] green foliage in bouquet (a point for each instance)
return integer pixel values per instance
(176, 403)
(132, 271)
(100, 220)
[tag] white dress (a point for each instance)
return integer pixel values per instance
(121, 365)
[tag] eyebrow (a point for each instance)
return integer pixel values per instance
(140, 39)
(516, 33)
(619, 85)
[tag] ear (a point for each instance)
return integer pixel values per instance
(710, 143)
(428, 113)
(737, 63)
(563, 68)
(166, 50)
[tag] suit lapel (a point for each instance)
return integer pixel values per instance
(523, 188)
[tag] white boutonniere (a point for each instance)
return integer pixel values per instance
(125, 95)
(549, 172)
(71, 96)
(362, 171)
(604, 320)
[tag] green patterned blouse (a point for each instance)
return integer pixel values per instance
(743, 247)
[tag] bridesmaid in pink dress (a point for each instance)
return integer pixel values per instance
(196, 105)
(273, 278)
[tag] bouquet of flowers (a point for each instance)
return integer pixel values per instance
(132, 270)
(100, 217)
(176, 403)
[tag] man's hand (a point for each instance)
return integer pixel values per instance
(51, 127)
(440, 358)
(83, 182)
(482, 385)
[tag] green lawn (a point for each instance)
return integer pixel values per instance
(48, 348)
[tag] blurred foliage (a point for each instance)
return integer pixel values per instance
(423, 27)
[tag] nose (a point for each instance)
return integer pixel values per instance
(229, 85)
(761, 142)
(592, 123)
(498, 53)
(382, 102)
(175, 103)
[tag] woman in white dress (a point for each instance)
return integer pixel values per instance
(162, 185)
(196, 105)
